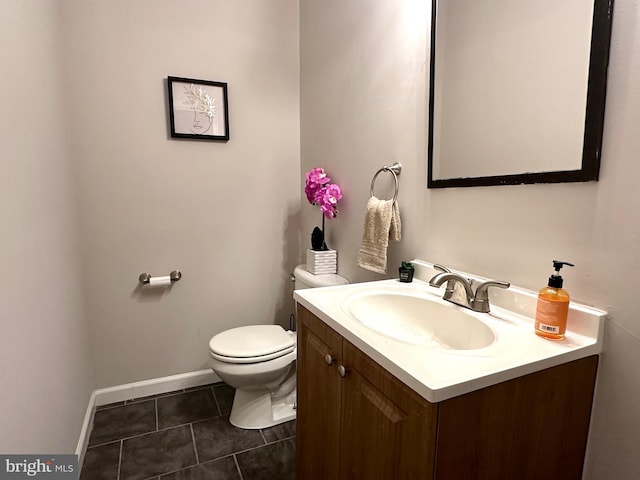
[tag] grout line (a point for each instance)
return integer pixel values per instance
(109, 406)
(195, 420)
(146, 433)
(126, 403)
(188, 467)
(157, 422)
(91, 447)
(235, 459)
(215, 398)
(141, 434)
(281, 440)
(195, 448)
(263, 437)
(120, 459)
(262, 446)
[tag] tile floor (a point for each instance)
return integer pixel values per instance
(185, 435)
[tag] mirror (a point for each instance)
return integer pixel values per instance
(517, 91)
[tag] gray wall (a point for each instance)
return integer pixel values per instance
(225, 214)
(364, 94)
(44, 344)
(95, 192)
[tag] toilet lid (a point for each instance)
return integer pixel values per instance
(251, 341)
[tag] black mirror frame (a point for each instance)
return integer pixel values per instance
(594, 119)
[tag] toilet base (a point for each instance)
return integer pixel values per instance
(254, 410)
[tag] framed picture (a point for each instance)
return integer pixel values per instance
(198, 109)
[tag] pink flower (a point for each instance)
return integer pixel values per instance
(316, 178)
(322, 193)
(327, 198)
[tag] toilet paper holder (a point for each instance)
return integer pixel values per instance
(145, 278)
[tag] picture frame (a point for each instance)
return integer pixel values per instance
(198, 109)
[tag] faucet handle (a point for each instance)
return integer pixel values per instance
(442, 268)
(481, 297)
(448, 293)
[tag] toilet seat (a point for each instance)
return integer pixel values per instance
(262, 358)
(252, 344)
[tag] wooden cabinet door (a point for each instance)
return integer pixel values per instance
(529, 428)
(388, 430)
(319, 393)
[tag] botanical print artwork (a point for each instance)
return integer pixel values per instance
(204, 109)
(198, 109)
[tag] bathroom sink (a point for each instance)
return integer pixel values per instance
(418, 318)
(442, 350)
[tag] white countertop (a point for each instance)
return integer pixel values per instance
(438, 374)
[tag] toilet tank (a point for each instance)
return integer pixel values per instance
(305, 279)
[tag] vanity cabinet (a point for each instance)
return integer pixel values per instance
(357, 421)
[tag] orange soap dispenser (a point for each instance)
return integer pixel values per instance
(553, 306)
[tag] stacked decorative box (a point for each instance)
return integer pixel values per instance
(322, 261)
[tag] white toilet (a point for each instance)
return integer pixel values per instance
(259, 362)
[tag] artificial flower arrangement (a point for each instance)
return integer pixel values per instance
(324, 194)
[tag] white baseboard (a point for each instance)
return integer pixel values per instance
(155, 386)
(129, 391)
(87, 424)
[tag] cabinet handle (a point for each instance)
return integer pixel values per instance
(329, 359)
(342, 371)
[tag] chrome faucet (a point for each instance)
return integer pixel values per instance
(465, 296)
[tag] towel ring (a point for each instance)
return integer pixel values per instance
(395, 170)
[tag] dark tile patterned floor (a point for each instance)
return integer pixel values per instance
(185, 435)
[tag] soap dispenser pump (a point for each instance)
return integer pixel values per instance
(553, 306)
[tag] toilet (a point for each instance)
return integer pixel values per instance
(259, 362)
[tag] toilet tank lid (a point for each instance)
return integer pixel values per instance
(322, 280)
(251, 341)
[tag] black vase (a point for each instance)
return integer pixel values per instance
(317, 240)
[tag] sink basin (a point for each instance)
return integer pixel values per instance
(442, 350)
(418, 319)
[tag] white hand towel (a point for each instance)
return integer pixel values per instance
(381, 222)
(395, 231)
